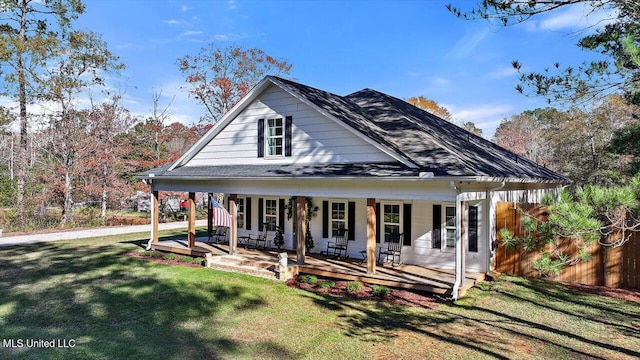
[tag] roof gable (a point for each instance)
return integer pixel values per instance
(316, 137)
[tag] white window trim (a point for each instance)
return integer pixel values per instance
(243, 213)
(383, 237)
(267, 155)
(346, 215)
(443, 227)
(264, 215)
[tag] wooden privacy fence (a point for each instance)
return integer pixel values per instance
(611, 267)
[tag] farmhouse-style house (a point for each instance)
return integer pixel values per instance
(371, 163)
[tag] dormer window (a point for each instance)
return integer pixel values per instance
(275, 137)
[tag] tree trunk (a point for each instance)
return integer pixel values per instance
(103, 214)
(12, 158)
(67, 209)
(22, 100)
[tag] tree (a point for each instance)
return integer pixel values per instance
(472, 128)
(525, 134)
(430, 106)
(625, 142)
(617, 42)
(580, 142)
(593, 215)
(220, 77)
(78, 62)
(29, 31)
(107, 122)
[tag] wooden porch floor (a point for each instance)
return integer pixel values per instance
(405, 276)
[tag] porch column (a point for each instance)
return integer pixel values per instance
(192, 220)
(209, 215)
(233, 231)
(460, 249)
(301, 211)
(371, 236)
(486, 228)
(155, 216)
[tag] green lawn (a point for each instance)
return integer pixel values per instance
(117, 307)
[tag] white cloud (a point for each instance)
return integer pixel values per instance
(171, 22)
(441, 81)
(191, 33)
(232, 5)
(184, 8)
(467, 44)
(503, 72)
(485, 117)
(571, 18)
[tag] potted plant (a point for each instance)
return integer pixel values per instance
(309, 240)
(278, 239)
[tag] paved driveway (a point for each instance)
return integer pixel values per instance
(87, 233)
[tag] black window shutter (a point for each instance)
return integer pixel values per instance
(377, 222)
(406, 225)
(351, 221)
(247, 213)
(228, 204)
(325, 219)
(288, 122)
(473, 228)
(281, 215)
(436, 234)
(260, 214)
(260, 138)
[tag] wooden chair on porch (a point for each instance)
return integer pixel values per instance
(393, 250)
(339, 246)
(265, 239)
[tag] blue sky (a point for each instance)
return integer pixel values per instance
(403, 48)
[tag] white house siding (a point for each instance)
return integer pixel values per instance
(422, 251)
(315, 138)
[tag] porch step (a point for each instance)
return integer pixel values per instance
(238, 264)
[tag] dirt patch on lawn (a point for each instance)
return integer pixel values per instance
(396, 297)
(176, 261)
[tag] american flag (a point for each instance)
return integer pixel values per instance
(219, 215)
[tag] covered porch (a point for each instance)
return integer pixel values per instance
(369, 220)
(404, 276)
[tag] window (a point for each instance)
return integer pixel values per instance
(275, 137)
(270, 214)
(338, 217)
(391, 220)
(450, 226)
(241, 212)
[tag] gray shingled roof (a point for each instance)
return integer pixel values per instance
(435, 145)
(421, 138)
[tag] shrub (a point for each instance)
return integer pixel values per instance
(309, 279)
(169, 256)
(326, 284)
(145, 253)
(157, 255)
(185, 259)
(380, 290)
(197, 260)
(354, 286)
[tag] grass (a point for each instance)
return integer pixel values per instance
(117, 307)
